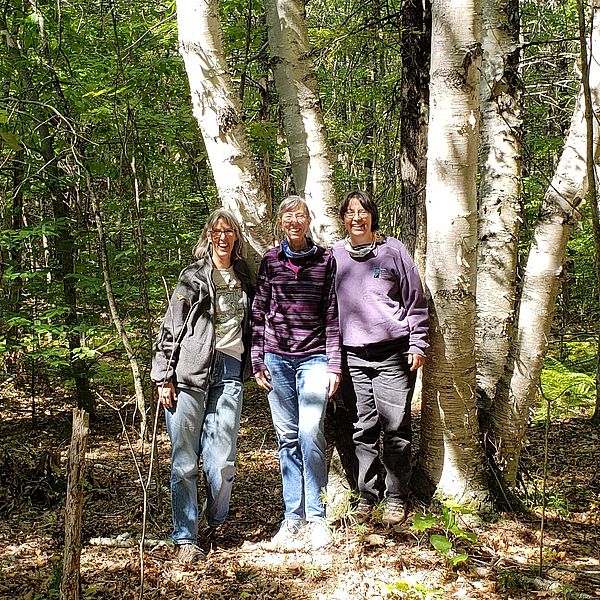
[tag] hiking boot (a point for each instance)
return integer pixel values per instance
(394, 512)
(363, 511)
(289, 537)
(189, 554)
(320, 536)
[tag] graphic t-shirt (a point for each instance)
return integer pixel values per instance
(229, 313)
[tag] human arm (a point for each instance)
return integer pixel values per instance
(332, 329)
(260, 307)
(166, 347)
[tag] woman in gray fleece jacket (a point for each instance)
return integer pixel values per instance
(198, 366)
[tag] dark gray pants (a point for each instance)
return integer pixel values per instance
(377, 387)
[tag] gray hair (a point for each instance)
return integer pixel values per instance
(289, 203)
(204, 243)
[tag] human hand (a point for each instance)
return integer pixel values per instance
(263, 378)
(332, 383)
(416, 361)
(167, 394)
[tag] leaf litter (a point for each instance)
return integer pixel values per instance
(366, 562)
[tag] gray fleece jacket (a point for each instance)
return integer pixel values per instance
(185, 346)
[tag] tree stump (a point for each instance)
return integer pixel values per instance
(70, 584)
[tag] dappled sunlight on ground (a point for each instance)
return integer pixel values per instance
(365, 561)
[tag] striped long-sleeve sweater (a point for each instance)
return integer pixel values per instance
(295, 308)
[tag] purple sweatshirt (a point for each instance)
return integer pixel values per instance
(295, 309)
(380, 297)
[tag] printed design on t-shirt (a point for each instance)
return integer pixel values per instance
(382, 273)
(229, 304)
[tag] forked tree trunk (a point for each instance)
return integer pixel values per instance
(500, 207)
(219, 115)
(297, 87)
(543, 275)
(451, 457)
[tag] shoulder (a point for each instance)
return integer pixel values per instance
(337, 247)
(199, 269)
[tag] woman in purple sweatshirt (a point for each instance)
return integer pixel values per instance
(384, 325)
(296, 358)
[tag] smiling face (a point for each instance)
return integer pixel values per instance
(223, 238)
(358, 222)
(295, 223)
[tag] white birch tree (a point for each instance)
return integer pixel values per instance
(297, 87)
(451, 456)
(219, 115)
(500, 206)
(559, 210)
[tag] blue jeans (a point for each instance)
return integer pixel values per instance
(298, 402)
(378, 385)
(204, 425)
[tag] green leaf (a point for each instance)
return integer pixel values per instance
(423, 522)
(455, 560)
(441, 543)
(13, 141)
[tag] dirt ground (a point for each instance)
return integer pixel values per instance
(503, 558)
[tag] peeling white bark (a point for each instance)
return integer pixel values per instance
(500, 208)
(217, 110)
(451, 455)
(543, 272)
(296, 82)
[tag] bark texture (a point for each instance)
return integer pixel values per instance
(451, 455)
(70, 584)
(297, 87)
(500, 206)
(219, 115)
(416, 46)
(543, 274)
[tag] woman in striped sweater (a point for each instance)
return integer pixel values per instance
(296, 359)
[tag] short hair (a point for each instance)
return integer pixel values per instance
(366, 202)
(202, 246)
(289, 203)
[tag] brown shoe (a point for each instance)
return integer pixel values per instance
(394, 512)
(363, 511)
(189, 554)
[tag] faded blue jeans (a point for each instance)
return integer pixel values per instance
(207, 426)
(298, 402)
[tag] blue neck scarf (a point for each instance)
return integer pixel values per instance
(309, 251)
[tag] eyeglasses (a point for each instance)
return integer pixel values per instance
(217, 233)
(287, 218)
(361, 214)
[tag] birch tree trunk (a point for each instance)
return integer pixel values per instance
(219, 115)
(500, 207)
(543, 273)
(297, 87)
(451, 456)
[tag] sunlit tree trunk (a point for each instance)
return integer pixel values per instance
(543, 275)
(218, 112)
(297, 87)
(451, 457)
(500, 207)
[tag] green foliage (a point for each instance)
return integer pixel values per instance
(409, 590)
(568, 383)
(448, 523)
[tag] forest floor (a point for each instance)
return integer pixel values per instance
(365, 561)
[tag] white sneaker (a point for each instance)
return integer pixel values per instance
(320, 536)
(289, 537)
